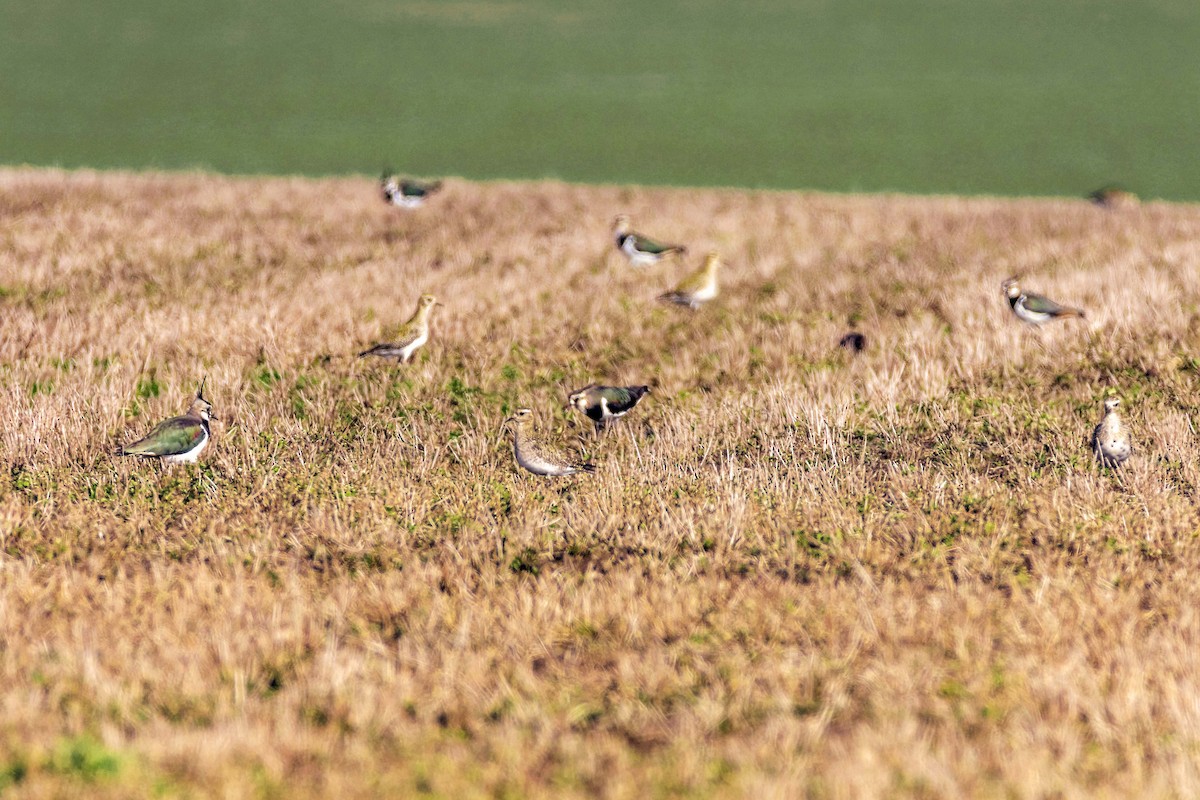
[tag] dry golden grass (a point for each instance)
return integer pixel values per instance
(796, 572)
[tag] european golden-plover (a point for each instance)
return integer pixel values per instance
(412, 335)
(534, 455)
(1110, 440)
(1113, 197)
(697, 288)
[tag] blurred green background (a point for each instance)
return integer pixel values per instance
(965, 96)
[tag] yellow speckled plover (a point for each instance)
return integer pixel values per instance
(412, 335)
(1110, 440)
(1113, 197)
(178, 440)
(532, 454)
(642, 251)
(697, 288)
(1033, 308)
(603, 403)
(406, 192)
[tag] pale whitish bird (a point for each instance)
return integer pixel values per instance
(697, 288)
(1110, 440)
(603, 403)
(642, 251)
(1033, 308)
(406, 192)
(412, 335)
(178, 440)
(534, 455)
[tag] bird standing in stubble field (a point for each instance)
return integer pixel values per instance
(699, 287)
(1033, 308)
(642, 251)
(534, 455)
(412, 335)
(1113, 198)
(178, 440)
(1110, 440)
(406, 192)
(603, 403)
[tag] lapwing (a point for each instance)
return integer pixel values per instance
(697, 288)
(178, 440)
(411, 336)
(406, 192)
(853, 341)
(1113, 197)
(534, 455)
(1110, 440)
(1033, 308)
(603, 403)
(642, 251)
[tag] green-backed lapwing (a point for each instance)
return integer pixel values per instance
(642, 251)
(534, 455)
(603, 403)
(1033, 308)
(406, 192)
(178, 440)
(412, 334)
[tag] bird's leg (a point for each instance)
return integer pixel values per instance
(636, 449)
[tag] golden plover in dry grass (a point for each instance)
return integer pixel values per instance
(1110, 440)
(412, 335)
(699, 287)
(535, 456)
(1113, 197)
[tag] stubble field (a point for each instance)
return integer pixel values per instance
(795, 573)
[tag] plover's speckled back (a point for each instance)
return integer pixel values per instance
(534, 455)
(1110, 439)
(699, 287)
(411, 336)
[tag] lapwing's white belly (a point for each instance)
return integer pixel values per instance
(1032, 317)
(407, 202)
(190, 456)
(607, 413)
(636, 257)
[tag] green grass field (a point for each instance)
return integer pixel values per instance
(1001, 96)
